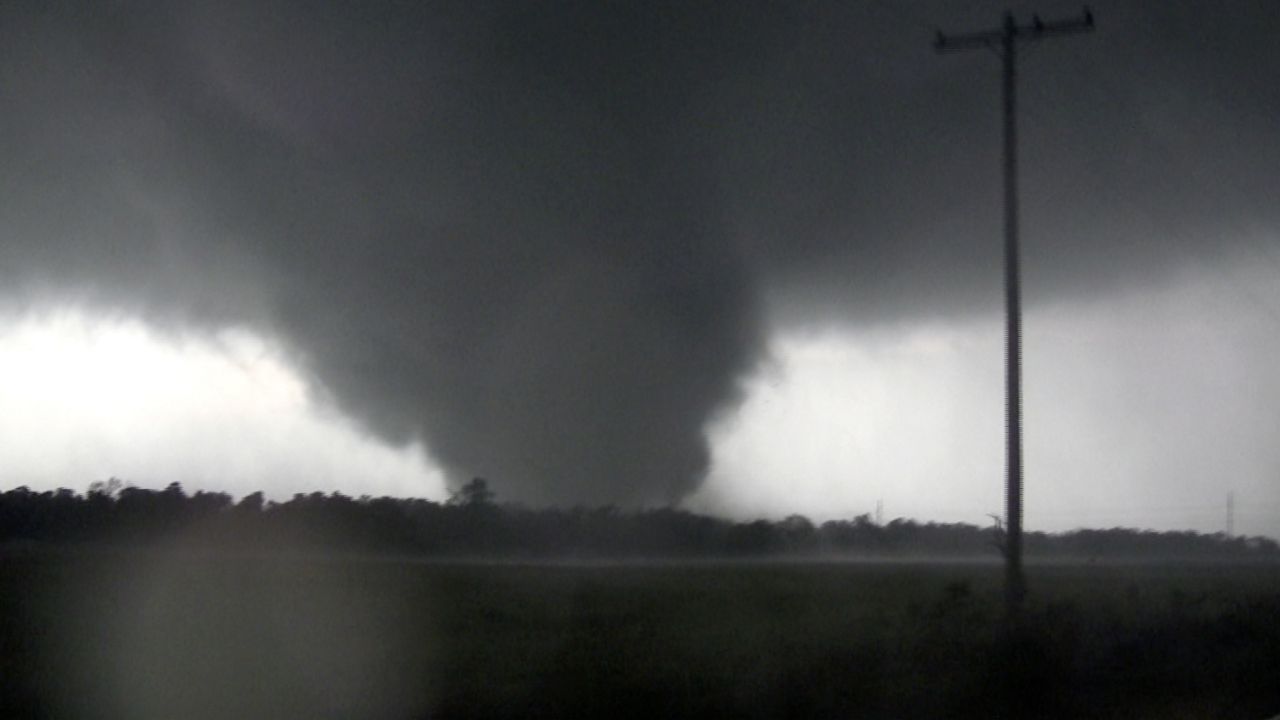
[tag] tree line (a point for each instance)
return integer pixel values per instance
(472, 523)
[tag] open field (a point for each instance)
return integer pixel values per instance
(155, 636)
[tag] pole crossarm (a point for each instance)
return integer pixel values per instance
(1035, 30)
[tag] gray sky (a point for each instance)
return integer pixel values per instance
(563, 244)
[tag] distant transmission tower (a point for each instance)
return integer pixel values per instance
(1231, 514)
(1005, 41)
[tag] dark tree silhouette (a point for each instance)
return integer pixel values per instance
(475, 493)
(473, 523)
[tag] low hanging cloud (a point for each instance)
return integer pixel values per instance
(549, 240)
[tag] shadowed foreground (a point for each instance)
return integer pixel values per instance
(165, 636)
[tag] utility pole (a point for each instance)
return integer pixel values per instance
(1005, 40)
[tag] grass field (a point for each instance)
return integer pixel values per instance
(153, 636)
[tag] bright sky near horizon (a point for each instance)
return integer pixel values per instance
(89, 398)
(836, 423)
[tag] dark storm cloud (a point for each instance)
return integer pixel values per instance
(546, 237)
(1145, 145)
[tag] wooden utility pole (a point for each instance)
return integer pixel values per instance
(1005, 40)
